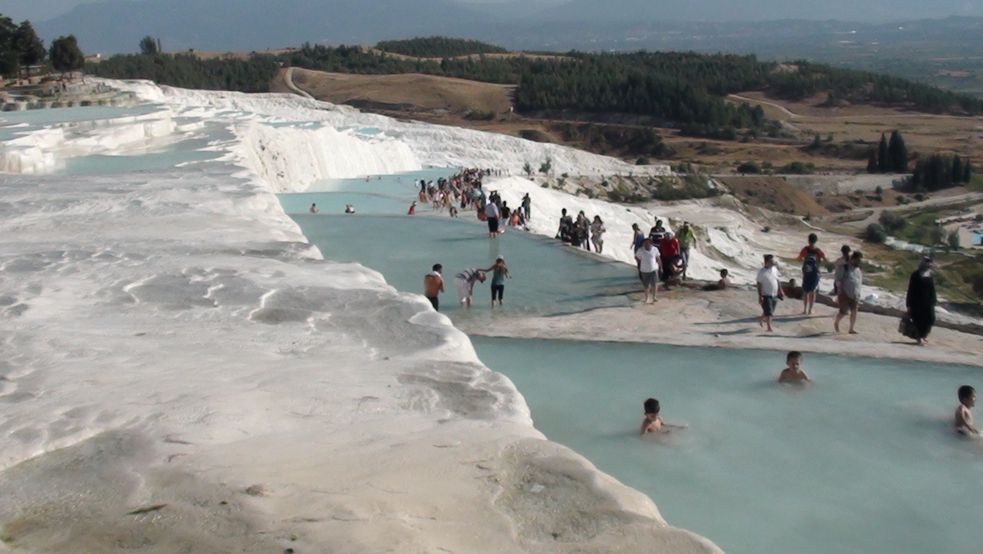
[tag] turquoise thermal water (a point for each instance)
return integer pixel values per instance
(863, 460)
(184, 152)
(548, 278)
(375, 195)
(51, 116)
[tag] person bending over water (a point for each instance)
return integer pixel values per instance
(793, 371)
(653, 422)
(465, 281)
(964, 414)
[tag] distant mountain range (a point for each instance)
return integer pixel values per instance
(654, 11)
(243, 25)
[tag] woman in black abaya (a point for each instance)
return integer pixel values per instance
(921, 300)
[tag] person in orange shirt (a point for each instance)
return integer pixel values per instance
(433, 285)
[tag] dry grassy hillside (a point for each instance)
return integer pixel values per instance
(406, 93)
(774, 193)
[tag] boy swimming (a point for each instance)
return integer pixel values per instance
(964, 414)
(793, 373)
(653, 422)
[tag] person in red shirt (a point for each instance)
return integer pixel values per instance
(668, 250)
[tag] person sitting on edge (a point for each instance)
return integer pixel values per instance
(676, 270)
(314, 209)
(724, 281)
(722, 284)
(793, 372)
(793, 290)
(964, 414)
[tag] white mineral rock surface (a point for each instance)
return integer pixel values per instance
(181, 370)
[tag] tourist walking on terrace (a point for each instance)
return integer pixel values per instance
(921, 300)
(810, 256)
(769, 291)
(686, 240)
(433, 285)
(527, 206)
(840, 262)
(597, 231)
(647, 258)
(582, 230)
(638, 237)
(669, 251)
(851, 279)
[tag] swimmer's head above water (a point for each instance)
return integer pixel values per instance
(652, 407)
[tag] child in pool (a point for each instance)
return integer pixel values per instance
(793, 373)
(653, 421)
(964, 414)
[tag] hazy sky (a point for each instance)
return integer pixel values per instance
(39, 10)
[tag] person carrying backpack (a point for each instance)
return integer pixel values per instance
(810, 256)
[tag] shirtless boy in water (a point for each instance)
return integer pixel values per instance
(964, 414)
(653, 421)
(793, 373)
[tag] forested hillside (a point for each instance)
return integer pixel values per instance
(684, 90)
(189, 71)
(438, 47)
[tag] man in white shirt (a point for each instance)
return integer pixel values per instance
(769, 291)
(850, 278)
(648, 261)
(492, 213)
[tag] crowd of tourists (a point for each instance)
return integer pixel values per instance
(465, 192)
(662, 258)
(847, 273)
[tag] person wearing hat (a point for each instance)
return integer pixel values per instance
(921, 300)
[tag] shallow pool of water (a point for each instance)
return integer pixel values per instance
(185, 152)
(49, 116)
(863, 460)
(548, 277)
(373, 195)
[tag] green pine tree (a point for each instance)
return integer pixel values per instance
(898, 152)
(872, 166)
(883, 162)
